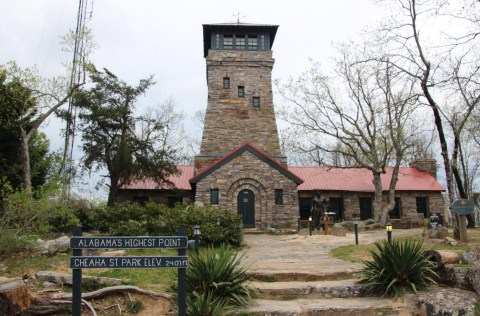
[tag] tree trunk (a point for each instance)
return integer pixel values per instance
(377, 200)
(112, 196)
(15, 297)
(25, 159)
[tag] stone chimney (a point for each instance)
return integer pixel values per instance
(425, 165)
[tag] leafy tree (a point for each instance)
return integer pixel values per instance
(27, 101)
(114, 138)
(18, 108)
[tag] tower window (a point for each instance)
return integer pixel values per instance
(240, 42)
(278, 196)
(252, 42)
(226, 82)
(213, 196)
(227, 41)
(256, 102)
(262, 42)
(217, 41)
(241, 91)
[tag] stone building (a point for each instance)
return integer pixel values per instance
(240, 166)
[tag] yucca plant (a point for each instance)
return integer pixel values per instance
(205, 305)
(220, 273)
(397, 266)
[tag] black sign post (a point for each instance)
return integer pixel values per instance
(77, 280)
(182, 280)
(79, 262)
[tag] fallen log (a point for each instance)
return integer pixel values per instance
(117, 289)
(442, 257)
(66, 279)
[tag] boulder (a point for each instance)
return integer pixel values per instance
(473, 277)
(438, 232)
(66, 279)
(446, 302)
(61, 244)
(454, 276)
(372, 226)
(472, 255)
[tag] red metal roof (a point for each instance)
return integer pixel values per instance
(357, 179)
(322, 179)
(180, 181)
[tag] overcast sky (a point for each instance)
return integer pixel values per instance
(141, 37)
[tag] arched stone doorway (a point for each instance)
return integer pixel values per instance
(246, 207)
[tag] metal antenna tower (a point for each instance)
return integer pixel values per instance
(77, 76)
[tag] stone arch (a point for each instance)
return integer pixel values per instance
(238, 184)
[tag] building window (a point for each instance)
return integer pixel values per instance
(227, 41)
(226, 82)
(217, 41)
(252, 42)
(262, 42)
(256, 102)
(240, 42)
(213, 196)
(278, 196)
(395, 213)
(172, 201)
(422, 205)
(241, 91)
(142, 200)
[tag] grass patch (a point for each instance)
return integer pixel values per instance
(352, 253)
(27, 264)
(154, 279)
(148, 278)
(358, 253)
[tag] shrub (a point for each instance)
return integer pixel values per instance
(397, 266)
(25, 217)
(219, 273)
(204, 305)
(217, 226)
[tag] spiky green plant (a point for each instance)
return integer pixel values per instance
(220, 273)
(397, 266)
(205, 305)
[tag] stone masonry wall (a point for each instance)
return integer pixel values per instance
(248, 172)
(408, 201)
(230, 120)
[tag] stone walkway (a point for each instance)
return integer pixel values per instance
(299, 277)
(303, 254)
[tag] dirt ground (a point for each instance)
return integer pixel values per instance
(269, 253)
(116, 305)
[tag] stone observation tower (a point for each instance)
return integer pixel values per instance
(240, 101)
(240, 165)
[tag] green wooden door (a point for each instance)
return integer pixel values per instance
(246, 207)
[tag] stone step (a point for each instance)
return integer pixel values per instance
(316, 289)
(364, 306)
(287, 276)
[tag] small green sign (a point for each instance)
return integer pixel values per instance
(463, 206)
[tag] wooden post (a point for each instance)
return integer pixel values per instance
(463, 227)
